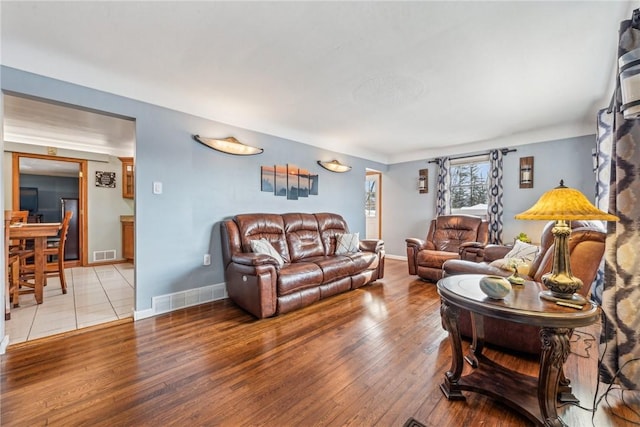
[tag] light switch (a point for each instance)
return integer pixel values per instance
(157, 188)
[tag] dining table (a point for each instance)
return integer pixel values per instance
(38, 232)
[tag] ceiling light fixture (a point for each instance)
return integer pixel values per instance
(229, 145)
(334, 166)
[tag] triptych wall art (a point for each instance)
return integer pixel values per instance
(288, 181)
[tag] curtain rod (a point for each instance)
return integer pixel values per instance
(504, 153)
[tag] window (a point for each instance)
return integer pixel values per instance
(370, 201)
(470, 186)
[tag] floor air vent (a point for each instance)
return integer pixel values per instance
(177, 300)
(108, 255)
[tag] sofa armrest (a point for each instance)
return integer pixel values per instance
(418, 244)
(471, 251)
(253, 259)
(372, 245)
(253, 287)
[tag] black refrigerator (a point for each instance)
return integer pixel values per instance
(72, 245)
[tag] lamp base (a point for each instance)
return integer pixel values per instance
(572, 299)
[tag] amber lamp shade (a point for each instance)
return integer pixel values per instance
(563, 204)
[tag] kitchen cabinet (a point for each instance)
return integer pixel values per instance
(127, 177)
(128, 223)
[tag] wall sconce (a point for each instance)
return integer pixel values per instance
(629, 65)
(423, 181)
(229, 145)
(334, 166)
(526, 172)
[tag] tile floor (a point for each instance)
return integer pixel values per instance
(94, 295)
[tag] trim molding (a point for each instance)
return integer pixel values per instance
(177, 300)
(4, 344)
(397, 257)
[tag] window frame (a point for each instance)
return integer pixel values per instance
(464, 161)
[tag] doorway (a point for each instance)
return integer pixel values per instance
(45, 186)
(99, 291)
(373, 204)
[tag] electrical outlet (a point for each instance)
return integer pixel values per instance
(207, 259)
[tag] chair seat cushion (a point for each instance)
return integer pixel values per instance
(434, 259)
(297, 276)
(334, 267)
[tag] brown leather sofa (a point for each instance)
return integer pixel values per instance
(448, 237)
(311, 270)
(586, 248)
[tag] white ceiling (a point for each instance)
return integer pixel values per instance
(387, 81)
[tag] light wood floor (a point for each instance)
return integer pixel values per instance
(370, 357)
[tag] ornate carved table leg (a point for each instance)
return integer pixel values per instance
(555, 350)
(477, 327)
(450, 385)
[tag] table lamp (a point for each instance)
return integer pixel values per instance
(563, 204)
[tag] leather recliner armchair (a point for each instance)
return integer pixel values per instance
(586, 248)
(448, 236)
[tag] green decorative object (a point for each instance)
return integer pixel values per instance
(523, 238)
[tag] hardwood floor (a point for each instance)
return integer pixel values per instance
(370, 357)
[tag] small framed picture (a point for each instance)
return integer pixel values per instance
(105, 179)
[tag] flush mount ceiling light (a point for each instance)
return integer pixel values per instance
(229, 145)
(334, 166)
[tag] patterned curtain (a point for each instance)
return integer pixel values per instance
(603, 174)
(443, 198)
(620, 338)
(495, 207)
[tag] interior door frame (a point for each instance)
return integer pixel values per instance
(82, 196)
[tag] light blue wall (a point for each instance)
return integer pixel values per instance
(407, 213)
(201, 186)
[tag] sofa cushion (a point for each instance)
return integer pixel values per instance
(302, 235)
(347, 243)
(334, 267)
(262, 246)
(296, 276)
(364, 261)
(330, 225)
(268, 226)
(434, 259)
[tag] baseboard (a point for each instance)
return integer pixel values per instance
(4, 344)
(175, 301)
(396, 257)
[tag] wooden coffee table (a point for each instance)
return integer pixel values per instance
(533, 397)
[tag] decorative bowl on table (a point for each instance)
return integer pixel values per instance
(495, 287)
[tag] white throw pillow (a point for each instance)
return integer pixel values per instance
(263, 246)
(347, 243)
(523, 251)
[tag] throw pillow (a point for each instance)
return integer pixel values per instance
(347, 243)
(263, 246)
(523, 251)
(510, 263)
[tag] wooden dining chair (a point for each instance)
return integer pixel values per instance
(12, 267)
(17, 217)
(55, 268)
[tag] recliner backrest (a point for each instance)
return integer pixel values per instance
(448, 232)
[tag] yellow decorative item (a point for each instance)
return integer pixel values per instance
(563, 204)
